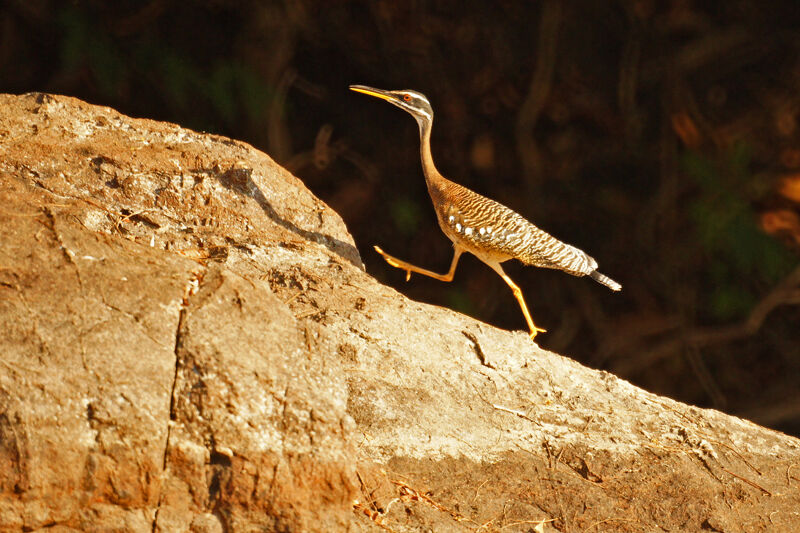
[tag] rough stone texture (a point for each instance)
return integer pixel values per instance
(190, 344)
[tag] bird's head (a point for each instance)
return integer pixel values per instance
(412, 101)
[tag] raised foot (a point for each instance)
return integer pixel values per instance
(397, 263)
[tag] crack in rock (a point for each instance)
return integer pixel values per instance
(192, 287)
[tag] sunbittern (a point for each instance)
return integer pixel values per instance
(489, 230)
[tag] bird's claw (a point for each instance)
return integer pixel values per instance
(536, 330)
(393, 262)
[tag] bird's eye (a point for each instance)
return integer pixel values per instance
(407, 97)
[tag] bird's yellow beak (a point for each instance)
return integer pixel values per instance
(379, 93)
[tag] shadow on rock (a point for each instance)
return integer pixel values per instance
(240, 180)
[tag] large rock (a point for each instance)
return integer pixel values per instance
(190, 343)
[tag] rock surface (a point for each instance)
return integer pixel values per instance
(190, 343)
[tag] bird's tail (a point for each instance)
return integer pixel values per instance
(605, 280)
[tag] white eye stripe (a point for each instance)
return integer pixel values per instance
(421, 112)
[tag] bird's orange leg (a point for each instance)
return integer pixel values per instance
(518, 295)
(409, 268)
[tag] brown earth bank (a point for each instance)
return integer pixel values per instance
(190, 343)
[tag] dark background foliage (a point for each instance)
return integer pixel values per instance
(660, 137)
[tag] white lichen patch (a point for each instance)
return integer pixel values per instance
(82, 129)
(181, 136)
(96, 220)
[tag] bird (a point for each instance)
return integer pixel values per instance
(479, 225)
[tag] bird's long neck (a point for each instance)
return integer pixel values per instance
(434, 180)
